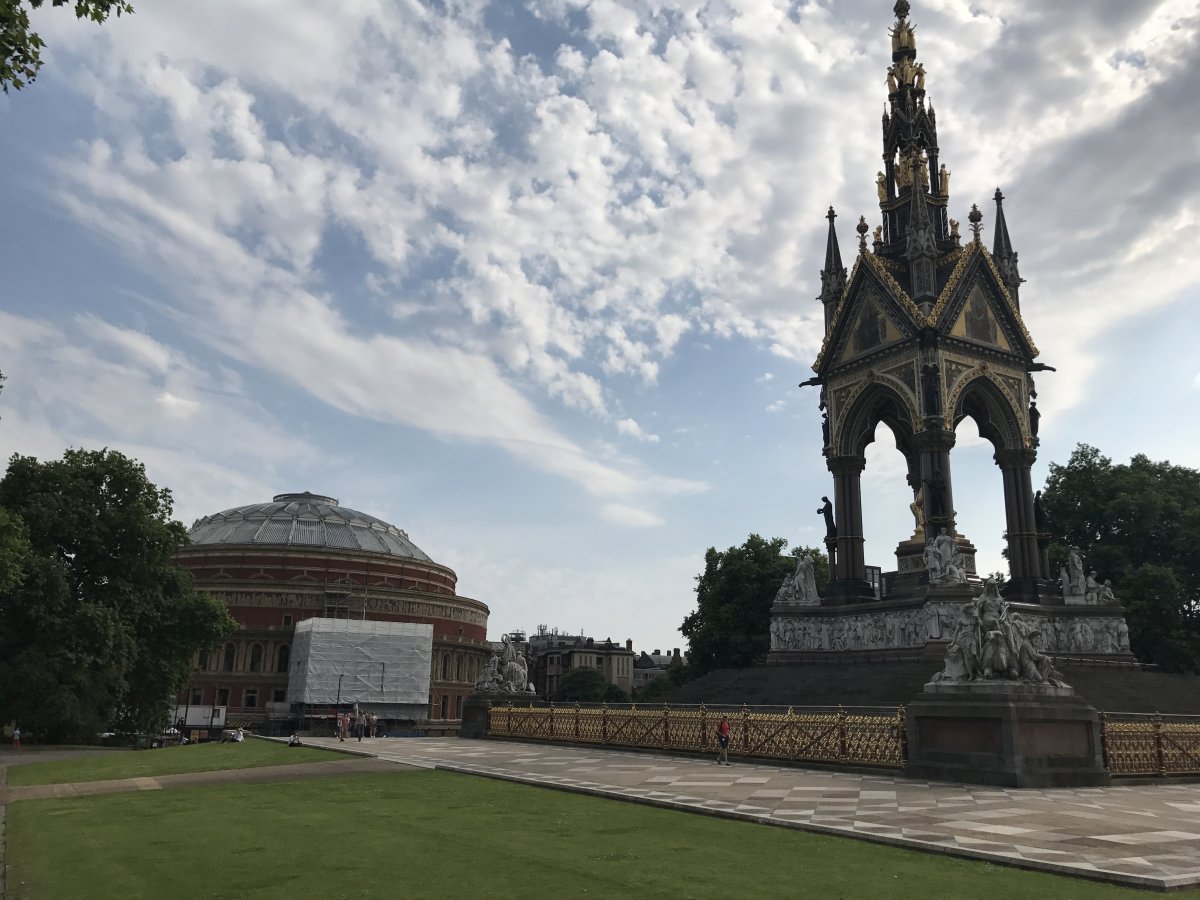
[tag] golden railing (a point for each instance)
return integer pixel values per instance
(1151, 745)
(847, 737)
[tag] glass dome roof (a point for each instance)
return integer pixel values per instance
(303, 520)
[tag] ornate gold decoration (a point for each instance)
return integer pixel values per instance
(861, 739)
(1148, 745)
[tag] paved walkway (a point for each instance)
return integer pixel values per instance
(1142, 834)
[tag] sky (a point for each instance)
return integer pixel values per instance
(535, 281)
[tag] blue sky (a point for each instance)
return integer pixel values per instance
(536, 281)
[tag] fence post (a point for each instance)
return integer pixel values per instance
(841, 725)
(702, 737)
(1158, 745)
(576, 720)
(551, 720)
(1104, 742)
(902, 728)
(745, 729)
(604, 723)
(666, 741)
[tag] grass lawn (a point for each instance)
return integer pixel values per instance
(166, 761)
(437, 834)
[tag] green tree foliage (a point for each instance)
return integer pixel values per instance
(14, 551)
(1137, 524)
(730, 627)
(102, 628)
(588, 686)
(21, 47)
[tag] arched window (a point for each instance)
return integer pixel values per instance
(458, 707)
(203, 664)
(445, 706)
(230, 655)
(283, 658)
(445, 670)
(458, 668)
(256, 658)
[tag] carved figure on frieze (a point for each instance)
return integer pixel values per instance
(1122, 636)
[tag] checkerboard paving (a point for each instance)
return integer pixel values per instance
(1145, 834)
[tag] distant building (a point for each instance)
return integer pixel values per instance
(554, 655)
(303, 556)
(649, 666)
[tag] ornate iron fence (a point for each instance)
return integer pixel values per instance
(1151, 744)
(1134, 744)
(864, 737)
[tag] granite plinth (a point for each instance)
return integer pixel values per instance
(1008, 735)
(476, 709)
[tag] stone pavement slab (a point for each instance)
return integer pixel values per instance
(1144, 834)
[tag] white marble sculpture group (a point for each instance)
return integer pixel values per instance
(944, 560)
(991, 643)
(800, 587)
(1084, 590)
(505, 673)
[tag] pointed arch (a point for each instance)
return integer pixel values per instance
(993, 411)
(879, 401)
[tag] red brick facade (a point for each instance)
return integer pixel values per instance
(271, 588)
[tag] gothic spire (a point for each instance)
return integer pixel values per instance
(921, 249)
(833, 276)
(1003, 253)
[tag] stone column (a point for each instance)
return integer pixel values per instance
(934, 445)
(850, 575)
(1024, 556)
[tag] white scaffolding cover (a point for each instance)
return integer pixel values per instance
(376, 663)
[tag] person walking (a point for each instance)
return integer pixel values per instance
(723, 742)
(16, 738)
(360, 725)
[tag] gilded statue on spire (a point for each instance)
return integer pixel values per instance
(903, 36)
(944, 180)
(881, 186)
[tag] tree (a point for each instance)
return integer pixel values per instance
(14, 550)
(588, 686)
(102, 629)
(1137, 524)
(21, 48)
(730, 627)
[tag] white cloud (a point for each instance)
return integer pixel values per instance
(764, 378)
(631, 516)
(632, 429)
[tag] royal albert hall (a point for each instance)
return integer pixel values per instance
(303, 555)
